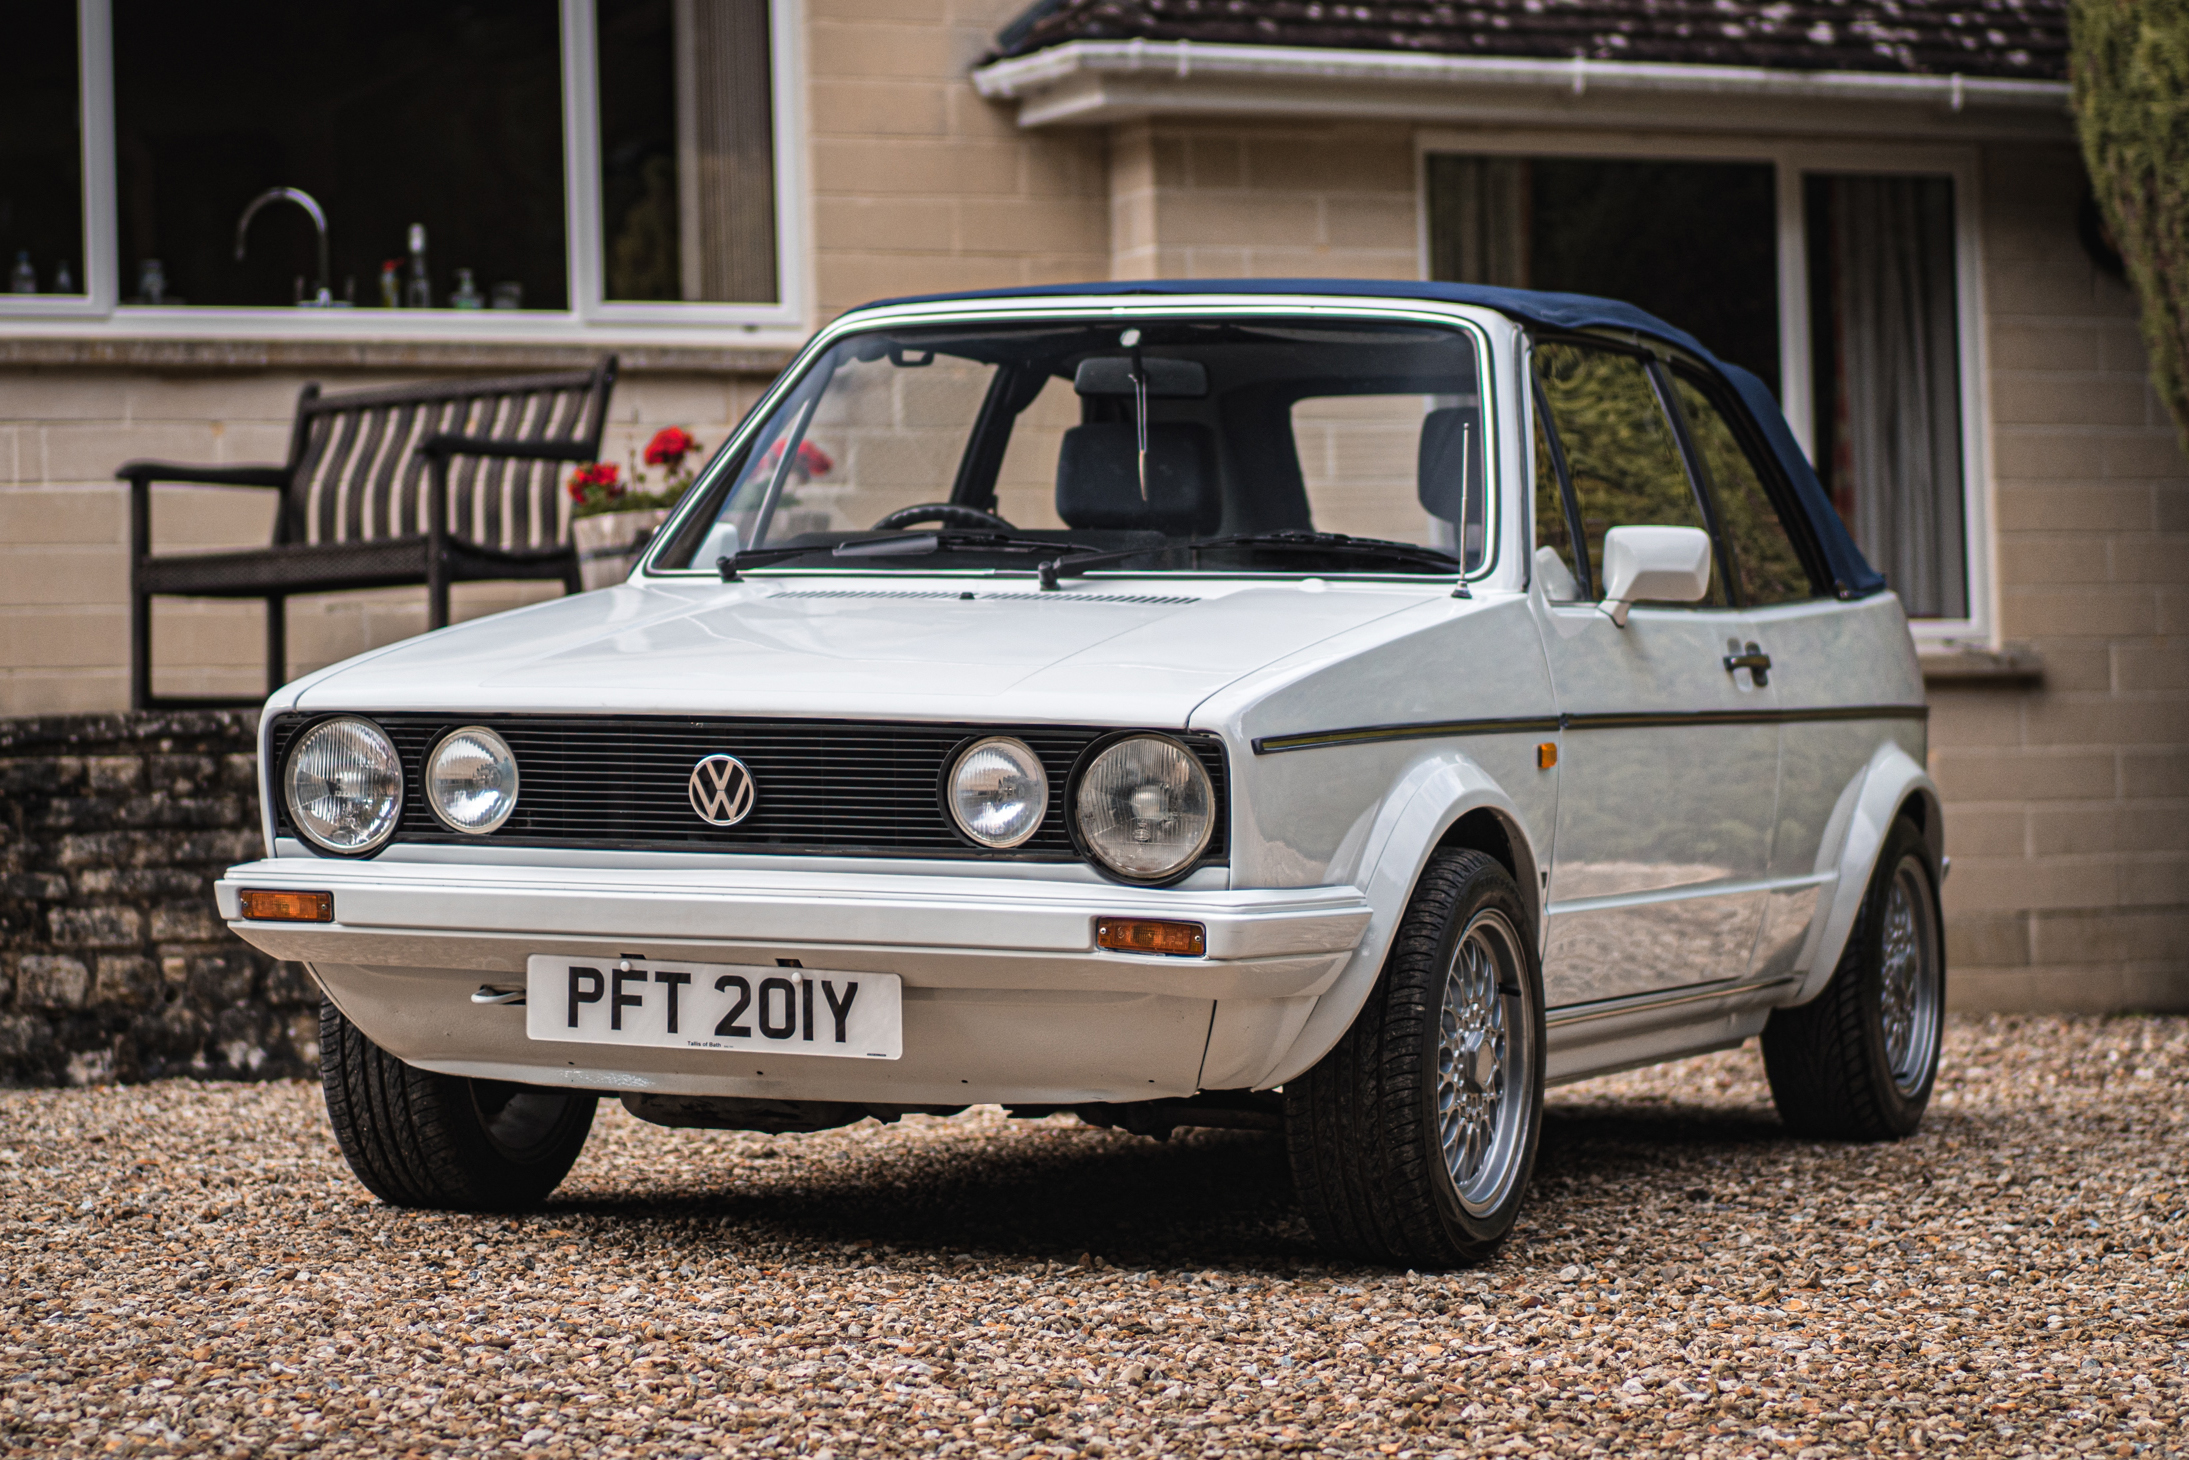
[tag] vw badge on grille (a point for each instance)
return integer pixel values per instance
(721, 790)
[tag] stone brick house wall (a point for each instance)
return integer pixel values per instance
(2062, 747)
(2068, 800)
(113, 963)
(919, 186)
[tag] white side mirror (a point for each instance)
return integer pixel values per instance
(1655, 564)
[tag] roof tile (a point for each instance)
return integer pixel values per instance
(2021, 39)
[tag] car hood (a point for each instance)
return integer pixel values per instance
(1105, 651)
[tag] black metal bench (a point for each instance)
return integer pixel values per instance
(369, 499)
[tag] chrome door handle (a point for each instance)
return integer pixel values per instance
(1754, 660)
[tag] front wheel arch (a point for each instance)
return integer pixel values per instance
(1487, 830)
(1438, 797)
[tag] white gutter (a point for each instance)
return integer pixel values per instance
(1076, 64)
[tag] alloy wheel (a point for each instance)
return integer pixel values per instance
(1484, 1064)
(1909, 983)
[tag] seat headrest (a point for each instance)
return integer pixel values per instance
(1098, 478)
(1451, 440)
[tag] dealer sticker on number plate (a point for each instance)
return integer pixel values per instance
(714, 1006)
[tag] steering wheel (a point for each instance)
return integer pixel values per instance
(949, 514)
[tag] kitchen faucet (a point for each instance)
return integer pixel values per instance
(324, 298)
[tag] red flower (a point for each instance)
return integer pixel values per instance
(602, 479)
(669, 447)
(811, 462)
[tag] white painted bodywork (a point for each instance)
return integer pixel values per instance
(1006, 998)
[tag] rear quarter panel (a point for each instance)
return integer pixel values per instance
(1841, 781)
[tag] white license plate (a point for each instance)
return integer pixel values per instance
(729, 1006)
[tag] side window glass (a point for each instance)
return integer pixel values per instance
(1619, 448)
(1764, 557)
(1554, 557)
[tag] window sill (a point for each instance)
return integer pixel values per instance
(216, 338)
(635, 356)
(1951, 666)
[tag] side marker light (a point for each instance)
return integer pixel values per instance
(263, 906)
(1149, 935)
(1546, 755)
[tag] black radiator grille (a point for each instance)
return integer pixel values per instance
(835, 787)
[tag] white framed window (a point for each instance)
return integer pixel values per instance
(621, 171)
(1847, 275)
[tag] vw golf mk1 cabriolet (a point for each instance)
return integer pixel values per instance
(1345, 706)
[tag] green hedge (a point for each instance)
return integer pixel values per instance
(2129, 62)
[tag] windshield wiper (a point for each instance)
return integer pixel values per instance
(913, 544)
(1413, 554)
(759, 558)
(965, 540)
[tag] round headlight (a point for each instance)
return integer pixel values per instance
(998, 792)
(344, 785)
(1145, 807)
(471, 780)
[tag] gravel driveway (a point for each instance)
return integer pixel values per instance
(189, 1268)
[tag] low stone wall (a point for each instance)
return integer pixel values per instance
(114, 964)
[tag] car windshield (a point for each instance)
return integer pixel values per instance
(1224, 444)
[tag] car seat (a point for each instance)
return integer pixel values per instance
(1098, 479)
(1448, 481)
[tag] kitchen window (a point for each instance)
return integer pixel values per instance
(687, 151)
(41, 155)
(443, 119)
(511, 169)
(1843, 277)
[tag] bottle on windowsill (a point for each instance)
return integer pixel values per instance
(467, 295)
(64, 282)
(391, 284)
(419, 293)
(23, 279)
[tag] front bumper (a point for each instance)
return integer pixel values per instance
(1006, 998)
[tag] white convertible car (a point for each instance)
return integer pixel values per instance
(1349, 707)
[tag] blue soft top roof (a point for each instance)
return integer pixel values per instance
(1852, 576)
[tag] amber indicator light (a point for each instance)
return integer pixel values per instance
(1150, 935)
(1546, 756)
(263, 906)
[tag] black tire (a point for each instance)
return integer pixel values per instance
(1377, 1130)
(1837, 1071)
(417, 1139)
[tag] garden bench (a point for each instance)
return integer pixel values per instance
(434, 484)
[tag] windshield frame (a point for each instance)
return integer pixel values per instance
(1122, 308)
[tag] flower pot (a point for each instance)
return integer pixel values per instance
(610, 542)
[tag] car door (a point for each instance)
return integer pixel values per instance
(1668, 762)
(1842, 672)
